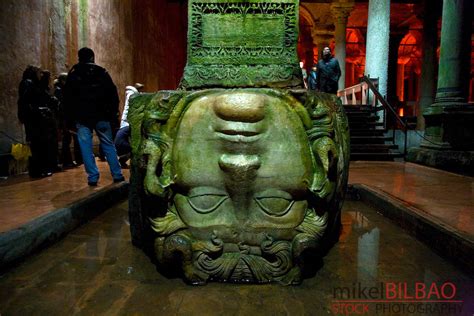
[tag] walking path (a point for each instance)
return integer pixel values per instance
(23, 199)
(446, 196)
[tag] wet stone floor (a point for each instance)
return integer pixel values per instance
(96, 271)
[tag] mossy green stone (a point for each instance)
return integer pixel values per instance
(242, 44)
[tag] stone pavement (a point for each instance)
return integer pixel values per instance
(36, 212)
(434, 205)
(444, 195)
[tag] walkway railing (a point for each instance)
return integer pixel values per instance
(365, 86)
(352, 93)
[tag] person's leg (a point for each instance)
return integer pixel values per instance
(34, 166)
(44, 139)
(104, 132)
(101, 153)
(53, 146)
(65, 148)
(77, 150)
(122, 144)
(84, 135)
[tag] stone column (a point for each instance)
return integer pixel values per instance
(449, 119)
(449, 137)
(430, 12)
(340, 12)
(378, 31)
(394, 44)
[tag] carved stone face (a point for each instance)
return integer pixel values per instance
(249, 178)
(242, 160)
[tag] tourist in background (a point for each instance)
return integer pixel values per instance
(49, 125)
(66, 136)
(329, 72)
(313, 78)
(91, 104)
(122, 139)
(33, 115)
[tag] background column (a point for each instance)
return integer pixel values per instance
(448, 119)
(341, 11)
(378, 31)
(430, 12)
(448, 142)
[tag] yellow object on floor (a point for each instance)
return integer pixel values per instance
(20, 151)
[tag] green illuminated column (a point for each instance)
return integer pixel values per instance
(449, 120)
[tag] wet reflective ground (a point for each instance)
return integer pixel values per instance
(95, 270)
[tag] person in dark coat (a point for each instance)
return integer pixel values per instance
(91, 104)
(66, 157)
(329, 72)
(49, 128)
(34, 116)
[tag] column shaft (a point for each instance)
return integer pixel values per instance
(429, 66)
(394, 44)
(453, 73)
(450, 119)
(341, 12)
(378, 31)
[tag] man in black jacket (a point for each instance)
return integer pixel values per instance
(329, 72)
(91, 103)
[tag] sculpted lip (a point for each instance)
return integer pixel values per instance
(239, 132)
(238, 138)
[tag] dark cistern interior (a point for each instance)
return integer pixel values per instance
(290, 157)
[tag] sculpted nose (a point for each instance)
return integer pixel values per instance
(240, 107)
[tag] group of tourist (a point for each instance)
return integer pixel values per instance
(83, 101)
(41, 113)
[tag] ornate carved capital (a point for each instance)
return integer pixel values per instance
(342, 10)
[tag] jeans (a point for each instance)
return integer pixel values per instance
(104, 132)
(122, 141)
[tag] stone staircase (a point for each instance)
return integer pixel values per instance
(368, 139)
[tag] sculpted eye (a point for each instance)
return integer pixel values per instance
(206, 200)
(274, 202)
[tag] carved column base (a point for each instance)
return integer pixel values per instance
(449, 125)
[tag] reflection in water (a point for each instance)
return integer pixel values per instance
(368, 255)
(96, 270)
(367, 247)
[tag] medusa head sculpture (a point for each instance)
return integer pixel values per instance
(237, 185)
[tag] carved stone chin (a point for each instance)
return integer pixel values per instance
(249, 179)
